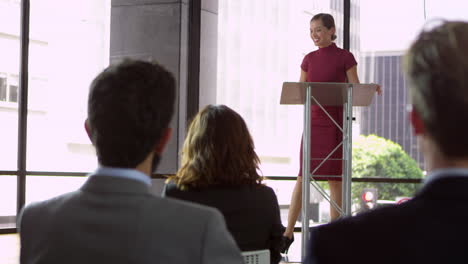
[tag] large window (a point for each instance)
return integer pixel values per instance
(8, 201)
(66, 50)
(64, 58)
(380, 48)
(9, 68)
(380, 40)
(261, 45)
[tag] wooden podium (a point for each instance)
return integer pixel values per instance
(326, 94)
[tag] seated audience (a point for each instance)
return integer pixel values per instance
(431, 227)
(113, 218)
(219, 169)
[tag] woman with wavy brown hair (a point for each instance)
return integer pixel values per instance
(220, 169)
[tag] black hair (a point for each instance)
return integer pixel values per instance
(130, 104)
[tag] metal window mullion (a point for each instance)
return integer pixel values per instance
(346, 24)
(23, 104)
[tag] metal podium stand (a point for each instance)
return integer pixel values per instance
(326, 94)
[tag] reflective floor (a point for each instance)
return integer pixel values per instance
(9, 249)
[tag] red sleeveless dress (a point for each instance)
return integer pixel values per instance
(327, 64)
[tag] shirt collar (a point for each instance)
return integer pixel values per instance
(125, 173)
(329, 47)
(446, 172)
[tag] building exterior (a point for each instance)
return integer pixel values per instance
(387, 116)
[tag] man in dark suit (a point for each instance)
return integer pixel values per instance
(113, 218)
(433, 226)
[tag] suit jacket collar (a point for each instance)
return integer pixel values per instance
(110, 184)
(127, 173)
(446, 172)
(446, 186)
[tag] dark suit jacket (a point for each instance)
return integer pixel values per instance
(115, 220)
(430, 228)
(251, 213)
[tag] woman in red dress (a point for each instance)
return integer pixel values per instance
(327, 64)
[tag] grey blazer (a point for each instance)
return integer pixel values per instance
(115, 220)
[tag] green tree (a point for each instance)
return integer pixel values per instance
(374, 156)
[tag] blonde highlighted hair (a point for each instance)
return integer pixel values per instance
(218, 151)
(437, 71)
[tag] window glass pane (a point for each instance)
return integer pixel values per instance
(379, 42)
(365, 196)
(380, 48)
(3, 89)
(447, 9)
(67, 50)
(39, 188)
(369, 195)
(261, 44)
(8, 201)
(283, 190)
(13, 96)
(9, 67)
(319, 207)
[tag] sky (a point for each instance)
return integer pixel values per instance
(393, 25)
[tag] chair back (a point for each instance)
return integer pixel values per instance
(257, 256)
